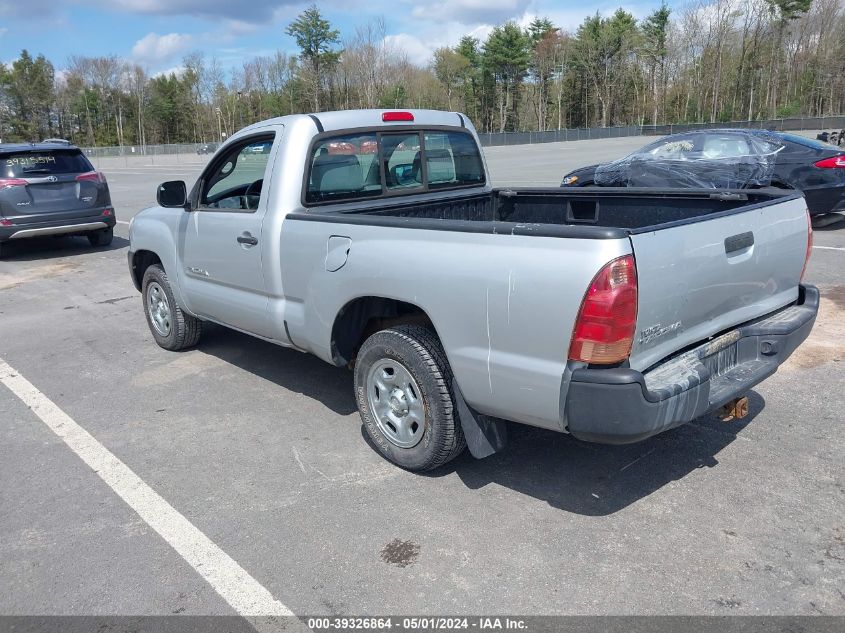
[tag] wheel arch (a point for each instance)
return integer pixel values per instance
(363, 316)
(141, 260)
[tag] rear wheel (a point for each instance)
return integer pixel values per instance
(403, 385)
(103, 237)
(171, 328)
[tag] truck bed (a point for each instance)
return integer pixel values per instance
(630, 210)
(706, 259)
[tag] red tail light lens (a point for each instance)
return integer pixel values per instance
(5, 222)
(397, 116)
(809, 244)
(92, 176)
(12, 182)
(107, 212)
(604, 330)
(834, 162)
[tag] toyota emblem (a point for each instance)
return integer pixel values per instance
(51, 179)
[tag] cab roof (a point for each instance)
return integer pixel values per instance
(349, 119)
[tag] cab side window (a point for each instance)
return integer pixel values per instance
(236, 180)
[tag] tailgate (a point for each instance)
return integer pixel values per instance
(53, 194)
(705, 277)
(48, 181)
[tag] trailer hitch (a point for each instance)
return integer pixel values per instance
(734, 410)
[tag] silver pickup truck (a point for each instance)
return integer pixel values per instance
(374, 240)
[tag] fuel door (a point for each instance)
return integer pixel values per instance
(337, 252)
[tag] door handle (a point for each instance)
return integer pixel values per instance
(739, 242)
(247, 239)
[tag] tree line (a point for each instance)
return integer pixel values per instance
(711, 61)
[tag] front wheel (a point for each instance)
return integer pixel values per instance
(403, 386)
(171, 328)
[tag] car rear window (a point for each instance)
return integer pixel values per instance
(807, 142)
(48, 162)
(371, 164)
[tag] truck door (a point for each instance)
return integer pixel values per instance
(221, 239)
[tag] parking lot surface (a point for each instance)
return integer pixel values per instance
(261, 450)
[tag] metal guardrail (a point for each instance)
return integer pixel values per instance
(527, 138)
(580, 134)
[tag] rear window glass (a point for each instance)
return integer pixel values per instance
(35, 163)
(452, 160)
(344, 167)
(366, 165)
(807, 142)
(403, 161)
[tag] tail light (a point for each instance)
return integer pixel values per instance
(809, 245)
(604, 330)
(107, 212)
(5, 222)
(12, 182)
(834, 162)
(92, 176)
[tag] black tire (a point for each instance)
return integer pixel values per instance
(102, 237)
(418, 350)
(185, 330)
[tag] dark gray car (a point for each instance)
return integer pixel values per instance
(52, 189)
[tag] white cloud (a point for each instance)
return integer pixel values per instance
(60, 77)
(250, 11)
(156, 49)
(238, 28)
(412, 46)
(24, 10)
(419, 48)
(471, 11)
(174, 70)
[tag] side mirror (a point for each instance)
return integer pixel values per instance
(172, 194)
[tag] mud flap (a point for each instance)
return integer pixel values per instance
(484, 435)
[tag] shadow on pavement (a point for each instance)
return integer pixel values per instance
(830, 222)
(42, 248)
(292, 370)
(575, 476)
(595, 479)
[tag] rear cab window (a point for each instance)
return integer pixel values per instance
(349, 166)
(38, 163)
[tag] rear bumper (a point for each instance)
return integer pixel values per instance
(821, 200)
(63, 226)
(621, 406)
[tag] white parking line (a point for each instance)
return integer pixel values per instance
(830, 248)
(245, 594)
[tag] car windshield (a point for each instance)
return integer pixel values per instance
(39, 163)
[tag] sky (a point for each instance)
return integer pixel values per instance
(158, 33)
